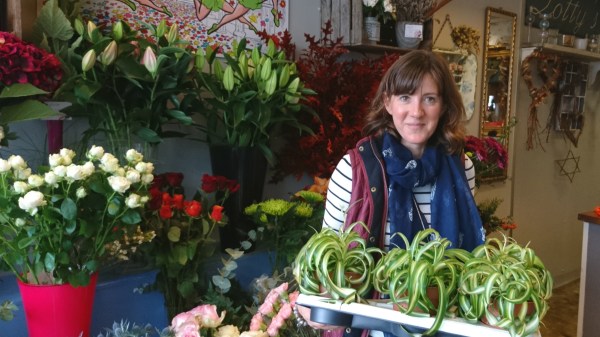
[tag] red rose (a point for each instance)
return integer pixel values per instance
(217, 213)
(174, 179)
(165, 212)
(193, 208)
(159, 181)
(155, 198)
(209, 183)
(166, 199)
(178, 201)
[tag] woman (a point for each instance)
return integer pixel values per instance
(409, 173)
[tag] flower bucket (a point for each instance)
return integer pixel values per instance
(58, 310)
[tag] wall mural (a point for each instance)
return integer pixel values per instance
(202, 22)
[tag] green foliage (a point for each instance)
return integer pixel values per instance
(491, 222)
(6, 310)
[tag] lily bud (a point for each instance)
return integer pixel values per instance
(91, 27)
(109, 54)
(78, 26)
(173, 33)
(88, 61)
(118, 31)
(149, 61)
(199, 60)
(161, 29)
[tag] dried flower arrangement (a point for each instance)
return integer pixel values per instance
(413, 11)
(466, 38)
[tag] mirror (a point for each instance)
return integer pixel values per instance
(463, 66)
(498, 54)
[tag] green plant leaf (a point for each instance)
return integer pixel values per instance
(49, 262)
(27, 110)
(174, 234)
(21, 90)
(53, 23)
(68, 209)
(131, 217)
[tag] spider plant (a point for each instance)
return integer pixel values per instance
(405, 275)
(499, 284)
(336, 264)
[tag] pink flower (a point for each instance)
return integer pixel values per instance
(256, 323)
(188, 329)
(285, 312)
(293, 297)
(207, 315)
(266, 308)
(181, 319)
(276, 323)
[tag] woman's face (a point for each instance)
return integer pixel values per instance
(416, 116)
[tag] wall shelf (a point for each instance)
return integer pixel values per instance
(566, 52)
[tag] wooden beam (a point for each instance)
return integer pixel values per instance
(14, 15)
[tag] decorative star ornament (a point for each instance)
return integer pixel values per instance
(569, 166)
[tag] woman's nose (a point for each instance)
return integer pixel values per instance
(417, 109)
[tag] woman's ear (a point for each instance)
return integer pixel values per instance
(386, 102)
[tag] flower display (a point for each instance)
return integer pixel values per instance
(491, 222)
(271, 319)
(57, 222)
(466, 38)
(488, 155)
(383, 10)
(184, 234)
(129, 84)
(27, 73)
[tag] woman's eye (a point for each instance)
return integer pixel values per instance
(430, 99)
(404, 98)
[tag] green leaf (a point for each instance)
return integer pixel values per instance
(68, 209)
(131, 217)
(71, 226)
(21, 90)
(27, 110)
(174, 234)
(26, 242)
(148, 135)
(49, 262)
(53, 22)
(180, 116)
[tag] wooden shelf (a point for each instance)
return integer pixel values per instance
(570, 52)
(376, 48)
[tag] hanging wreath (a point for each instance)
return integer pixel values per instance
(548, 67)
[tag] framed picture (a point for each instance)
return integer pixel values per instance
(202, 22)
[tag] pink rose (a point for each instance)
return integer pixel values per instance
(188, 329)
(181, 319)
(285, 312)
(266, 308)
(256, 322)
(207, 315)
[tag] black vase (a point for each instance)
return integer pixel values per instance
(247, 166)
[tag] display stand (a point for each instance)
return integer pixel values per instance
(381, 317)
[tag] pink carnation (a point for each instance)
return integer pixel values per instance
(256, 322)
(266, 308)
(293, 297)
(285, 312)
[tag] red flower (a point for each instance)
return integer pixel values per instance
(217, 213)
(212, 184)
(165, 212)
(193, 208)
(178, 201)
(597, 210)
(155, 198)
(166, 199)
(174, 179)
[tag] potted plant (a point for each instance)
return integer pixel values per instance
(410, 16)
(506, 285)
(336, 264)
(28, 74)
(129, 85)
(421, 278)
(56, 224)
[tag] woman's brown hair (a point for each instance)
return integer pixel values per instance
(404, 77)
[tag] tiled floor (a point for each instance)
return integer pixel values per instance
(561, 319)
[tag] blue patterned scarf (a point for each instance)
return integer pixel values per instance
(453, 210)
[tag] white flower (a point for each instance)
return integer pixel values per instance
(147, 179)
(22, 174)
(254, 334)
(81, 192)
(88, 168)
(20, 187)
(108, 163)
(4, 165)
(51, 178)
(1, 133)
(74, 173)
(95, 152)
(133, 201)
(55, 159)
(228, 331)
(20, 222)
(31, 201)
(144, 167)
(119, 184)
(60, 171)
(35, 180)
(388, 6)
(119, 172)
(17, 162)
(370, 3)
(67, 155)
(133, 156)
(133, 176)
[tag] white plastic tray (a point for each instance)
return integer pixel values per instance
(381, 316)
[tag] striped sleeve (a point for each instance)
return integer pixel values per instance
(338, 194)
(470, 173)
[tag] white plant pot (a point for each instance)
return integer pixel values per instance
(372, 28)
(409, 34)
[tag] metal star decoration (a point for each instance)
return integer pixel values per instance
(569, 166)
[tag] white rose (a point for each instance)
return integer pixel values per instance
(60, 171)
(51, 178)
(95, 152)
(35, 180)
(67, 155)
(119, 172)
(141, 167)
(4, 165)
(147, 179)
(20, 222)
(119, 184)
(388, 6)
(254, 334)
(88, 169)
(370, 3)
(17, 162)
(20, 187)
(144, 199)
(55, 159)
(133, 156)
(228, 331)
(74, 172)
(31, 201)
(108, 163)
(133, 176)
(22, 174)
(81, 193)
(133, 201)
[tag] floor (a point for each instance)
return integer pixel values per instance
(561, 319)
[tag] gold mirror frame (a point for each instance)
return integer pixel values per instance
(497, 78)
